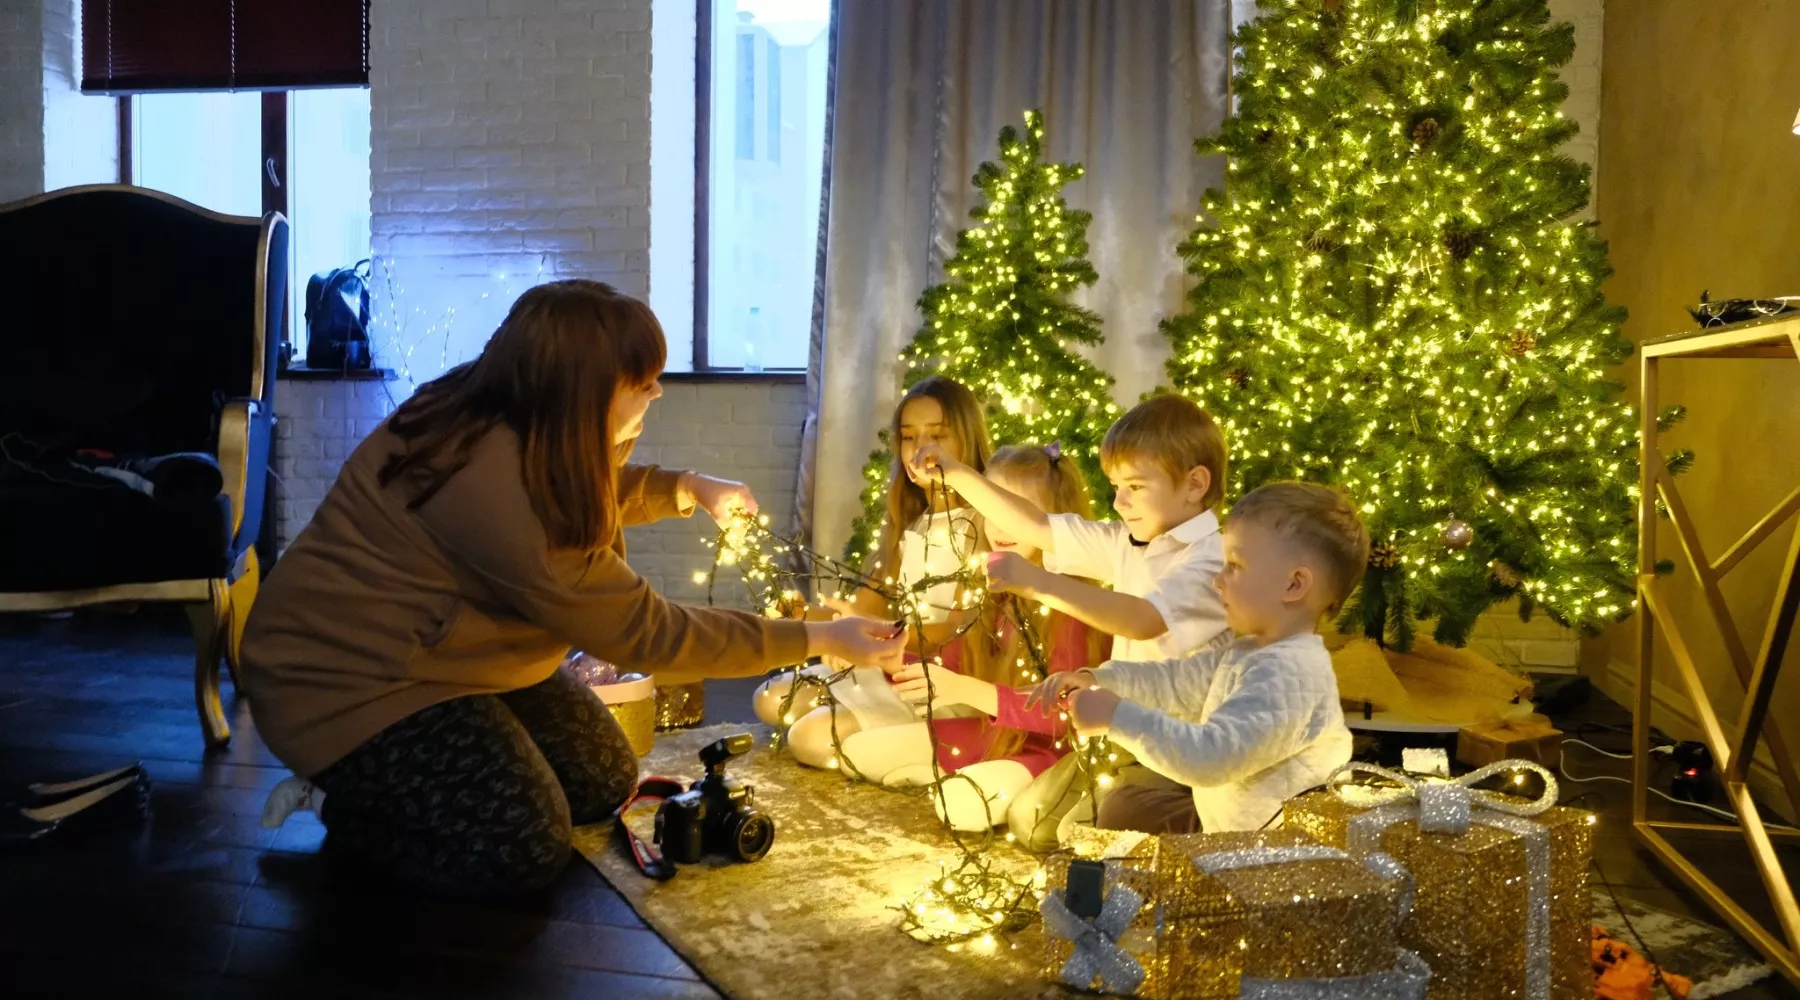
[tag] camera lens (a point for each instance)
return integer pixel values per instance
(754, 836)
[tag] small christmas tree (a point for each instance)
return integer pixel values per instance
(1002, 323)
(1392, 297)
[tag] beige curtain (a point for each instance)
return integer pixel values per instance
(922, 89)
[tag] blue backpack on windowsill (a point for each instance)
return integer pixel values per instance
(337, 318)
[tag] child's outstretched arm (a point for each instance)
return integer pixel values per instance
(1256, 728)
(1161, 683)
(948, 686)
(1014, 514)
(1107, 610)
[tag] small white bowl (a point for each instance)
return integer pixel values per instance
(625, 691)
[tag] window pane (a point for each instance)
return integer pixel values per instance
(206, 148)
(328, 188)
(768, 105)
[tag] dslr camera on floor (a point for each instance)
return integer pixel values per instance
(717, 815)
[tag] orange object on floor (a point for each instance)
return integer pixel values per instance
(1621, 973)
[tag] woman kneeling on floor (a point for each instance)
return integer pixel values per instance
(402, 657)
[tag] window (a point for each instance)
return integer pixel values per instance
(736, 206)
(206, 148)
(220, 150)
(214, 97)
(328, 188)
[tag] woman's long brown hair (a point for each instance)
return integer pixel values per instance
(992, 652)
(905, 499)
(550, 373)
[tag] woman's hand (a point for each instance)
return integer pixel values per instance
(921, 681)
(861, 641)
(1011, 573)
(1048, 695)
(720, 498)
(932, 458)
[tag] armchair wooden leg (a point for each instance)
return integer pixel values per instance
(212, 624)
(243, 597)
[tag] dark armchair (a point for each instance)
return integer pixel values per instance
(138, 326)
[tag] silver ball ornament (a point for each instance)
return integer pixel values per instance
(1458, 534)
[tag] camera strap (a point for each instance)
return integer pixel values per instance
(648, 858)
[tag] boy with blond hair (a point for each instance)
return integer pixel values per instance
(1246, 725)
(1166, 460)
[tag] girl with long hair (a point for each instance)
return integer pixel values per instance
(928, 532)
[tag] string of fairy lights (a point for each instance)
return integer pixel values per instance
(975, 898)
(1393, 296)
(1002, 323)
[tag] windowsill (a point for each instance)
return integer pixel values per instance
(300, 373)
(784, 377)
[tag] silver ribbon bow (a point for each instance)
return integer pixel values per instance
(1441, 806)
(1446, 806)
(1097, 951)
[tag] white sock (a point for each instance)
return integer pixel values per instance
(293, 794)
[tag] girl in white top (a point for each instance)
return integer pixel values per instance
(928, 532)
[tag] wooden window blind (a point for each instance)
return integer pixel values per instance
(144, 46)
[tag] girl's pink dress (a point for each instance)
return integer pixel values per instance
(964, 741)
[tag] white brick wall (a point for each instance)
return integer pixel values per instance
(51, 135)
(505, 133)
(21, 103)
(318, 425)
(744, 431)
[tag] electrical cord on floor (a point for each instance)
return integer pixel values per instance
(1562, 768)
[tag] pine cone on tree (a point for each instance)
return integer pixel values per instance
(1425, 133)
(1331, 6)
(1384, 556)
(1521, 343)
(1505, 575)
(1460, 243)
(1320, 243)
(1238, 377)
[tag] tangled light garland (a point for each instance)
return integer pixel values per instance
(975, 899)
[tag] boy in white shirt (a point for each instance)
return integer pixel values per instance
(1246, 725)
(1166, 459)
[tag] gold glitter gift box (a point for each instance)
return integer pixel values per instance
(1501, 910)
(1197, 936)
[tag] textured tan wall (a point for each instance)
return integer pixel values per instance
(1700, 189)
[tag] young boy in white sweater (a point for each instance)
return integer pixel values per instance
(1245, 726)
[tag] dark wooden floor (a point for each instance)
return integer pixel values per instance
(202, 902)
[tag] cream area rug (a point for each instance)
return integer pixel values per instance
(817, 917)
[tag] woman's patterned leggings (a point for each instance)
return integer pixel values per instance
(476, 795)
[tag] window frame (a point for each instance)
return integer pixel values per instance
(275, 149)
(274, 171)
(703, 370)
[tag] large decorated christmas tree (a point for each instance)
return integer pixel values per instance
(1392, 295)
(1002, 322)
